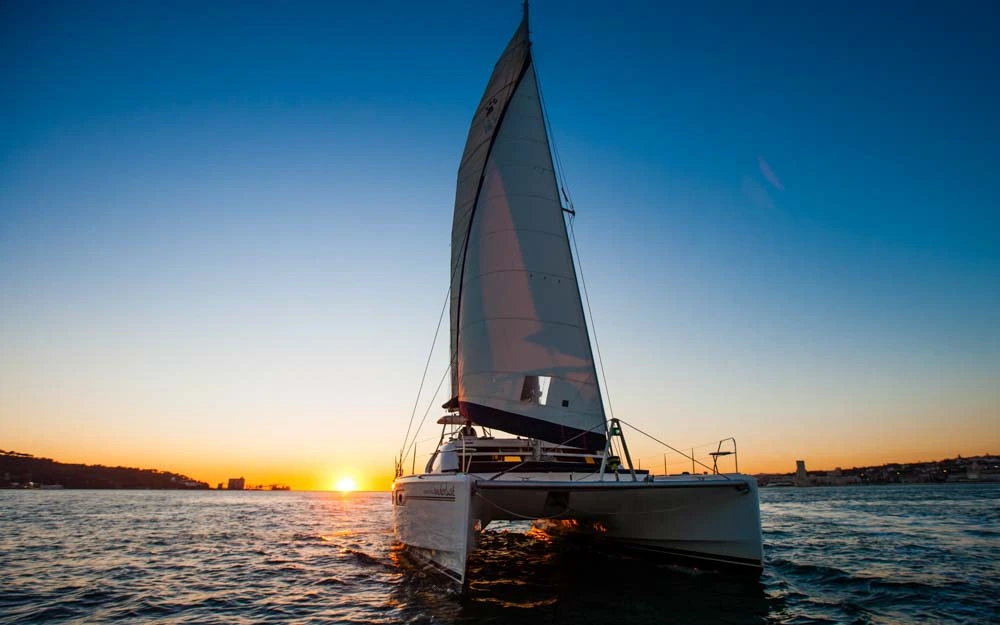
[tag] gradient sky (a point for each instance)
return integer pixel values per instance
(224, 227)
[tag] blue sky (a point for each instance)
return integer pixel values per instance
(234, 217)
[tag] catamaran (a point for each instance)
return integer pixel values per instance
(523, 373)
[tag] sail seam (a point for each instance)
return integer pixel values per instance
(515, 166)
(570, 380)
(542, 273)
(519, 166)
(533, 230)
(548, 198)
(532, 319)
(525, 139)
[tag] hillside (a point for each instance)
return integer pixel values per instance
(19, 470)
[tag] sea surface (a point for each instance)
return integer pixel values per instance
(876, 554)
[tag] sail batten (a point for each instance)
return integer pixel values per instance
(522, 360)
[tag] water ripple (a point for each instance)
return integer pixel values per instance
(878, 555)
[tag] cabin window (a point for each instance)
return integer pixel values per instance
(536, 389)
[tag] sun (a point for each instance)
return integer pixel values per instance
(346, 484)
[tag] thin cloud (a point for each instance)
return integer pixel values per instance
(769, 174)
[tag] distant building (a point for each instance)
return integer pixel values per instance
(972, 473)
(801, 475)
(237, 483)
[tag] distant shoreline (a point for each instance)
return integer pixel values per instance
(880, 484)
(24, 471)
(958, 470)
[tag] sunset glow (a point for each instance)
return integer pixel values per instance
(236, 269)
(346, 484)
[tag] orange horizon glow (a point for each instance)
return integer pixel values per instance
(313, 477)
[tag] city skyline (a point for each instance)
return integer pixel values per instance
(224, 230)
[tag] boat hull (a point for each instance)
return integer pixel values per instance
(710, 522)
(432, 517)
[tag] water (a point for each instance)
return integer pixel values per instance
(890, 554)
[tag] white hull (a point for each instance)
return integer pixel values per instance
(711, 521)
(432, 517)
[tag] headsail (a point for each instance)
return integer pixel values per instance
(522, 360)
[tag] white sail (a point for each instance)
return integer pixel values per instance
(482, 132)
(523, 361)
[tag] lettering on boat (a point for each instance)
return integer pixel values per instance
(438, 492)
(444, 490)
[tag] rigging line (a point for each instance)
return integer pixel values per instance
(426, 412)
(423, 378)
(593, 324)
(691, 458)
(561, 173)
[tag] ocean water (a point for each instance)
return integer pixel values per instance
(879, 554)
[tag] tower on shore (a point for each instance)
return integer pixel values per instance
(801, 475)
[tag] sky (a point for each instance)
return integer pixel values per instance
(224, 227)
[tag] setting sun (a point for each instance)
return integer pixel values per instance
(346, 484)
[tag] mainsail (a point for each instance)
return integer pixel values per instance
(521, 355)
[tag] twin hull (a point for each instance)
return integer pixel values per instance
(709, 521)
